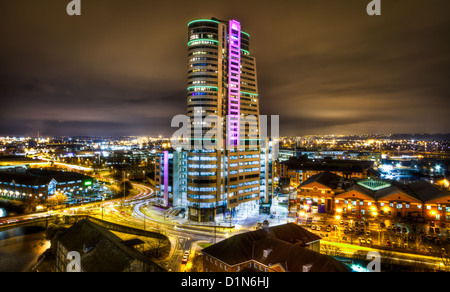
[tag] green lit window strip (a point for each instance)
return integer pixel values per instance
(254, 94)
(213, 87)
(245, 33)
(245, 51)
(204, 40)
(202, 20)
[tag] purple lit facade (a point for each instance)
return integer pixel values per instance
(234, 82)
(222, 81)
(166, 169)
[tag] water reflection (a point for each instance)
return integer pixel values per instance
(20, 248)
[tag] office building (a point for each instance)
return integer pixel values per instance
(222, 84)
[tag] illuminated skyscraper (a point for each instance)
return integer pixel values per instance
(222, 82)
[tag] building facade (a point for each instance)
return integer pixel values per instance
(170, 178)
(332, 194)
(41, 184)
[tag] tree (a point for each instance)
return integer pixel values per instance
(57, 199)
(331, 250)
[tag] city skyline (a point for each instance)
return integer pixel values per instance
(324, 68)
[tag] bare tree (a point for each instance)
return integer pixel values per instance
(331, 250)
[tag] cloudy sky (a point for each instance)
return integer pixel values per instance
(324, 66)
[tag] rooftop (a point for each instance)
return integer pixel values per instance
(283, 245)
(101, 250)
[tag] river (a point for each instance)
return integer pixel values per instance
(20, 247)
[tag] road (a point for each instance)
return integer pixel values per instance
(138, 211)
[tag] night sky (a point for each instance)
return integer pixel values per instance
(324, 66)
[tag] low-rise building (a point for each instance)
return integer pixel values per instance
(22, 183)
(297, 170)
(98, 250)
(282, 248)
(329, 193)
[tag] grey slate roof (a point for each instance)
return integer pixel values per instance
(101, 250)
(285, 245)
(325, 178)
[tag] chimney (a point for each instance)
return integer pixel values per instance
(265, 225)
(306, 268)
(266, 252)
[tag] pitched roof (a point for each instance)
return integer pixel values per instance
(325, 178)
(283, 246)
(426, 191)
(101, 250)
(292, 258)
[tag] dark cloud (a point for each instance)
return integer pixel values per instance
(324, 66)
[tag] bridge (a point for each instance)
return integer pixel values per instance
(45, 221)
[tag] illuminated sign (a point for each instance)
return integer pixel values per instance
(87, 183)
